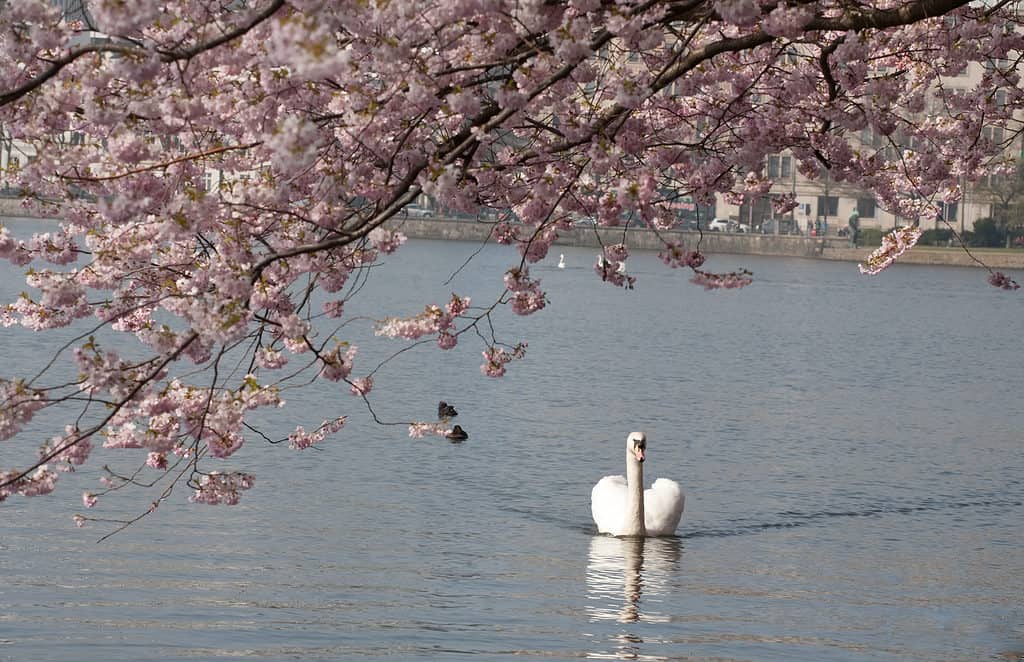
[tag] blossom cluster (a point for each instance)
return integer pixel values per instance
(221, 488)
(894, 244)
(42, 481)
(206, 209)
(611, 266)
(727, 281)
(417, 430)
(338, 365)
(53, 247)
(525, 296)
(1002, 281)
(505, 233)
(18, 404)
(361, 386)
(300, 439)
(676, 255)
(495, 359)
(386, 240)
(69, 450)
(178, 417)
(432, 320)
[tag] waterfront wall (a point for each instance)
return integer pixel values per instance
(833, 248)
(12, 207)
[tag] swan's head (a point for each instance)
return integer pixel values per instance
(636, 445)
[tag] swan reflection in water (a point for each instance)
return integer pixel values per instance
(625, 577)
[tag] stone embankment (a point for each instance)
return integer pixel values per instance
(832, 248)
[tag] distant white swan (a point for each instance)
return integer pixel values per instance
(561, 261)
(622, 507)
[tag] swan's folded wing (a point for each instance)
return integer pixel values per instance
(608, 503)
(663, 507)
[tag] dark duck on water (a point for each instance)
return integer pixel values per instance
(457, 434)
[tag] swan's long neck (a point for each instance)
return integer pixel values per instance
(635, 499)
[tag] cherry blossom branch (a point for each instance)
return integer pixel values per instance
(114, 409)
(161, 165)
(191, 464)
(58, 64)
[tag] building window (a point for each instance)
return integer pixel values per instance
(779, 167)
(993, 133)
(947, 210)
(866, 207)
(828, 205)
(996, 64)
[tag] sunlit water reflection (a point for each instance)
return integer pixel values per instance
(850, 448)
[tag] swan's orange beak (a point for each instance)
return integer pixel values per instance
(639, 452)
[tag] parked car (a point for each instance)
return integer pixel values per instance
(417, 212)
(721, 225)
(742, 227)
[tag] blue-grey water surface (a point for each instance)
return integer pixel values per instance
(851, 449)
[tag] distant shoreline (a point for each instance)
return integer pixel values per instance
(831, 248)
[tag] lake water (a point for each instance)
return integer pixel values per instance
(851, 449)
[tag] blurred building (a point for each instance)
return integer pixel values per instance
(830, 203)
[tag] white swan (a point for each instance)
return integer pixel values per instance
(561, 261)
(622, 507)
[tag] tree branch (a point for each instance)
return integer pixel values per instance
(57, 65)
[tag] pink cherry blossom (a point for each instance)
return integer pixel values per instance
(68, 450)
(300, 439)
(271, 359)
(156, 460)
(611, 266)
(1002, 281)
(338, 365)
(495, 359)
(894, 244)
(362, 385)
(385, 240)
(676, 255)
(739, 12)
(418, 430)
(447, 340)
(221, 488)
(430, 321)
(785, 21)
(525, 296)
(457, 305)
(728, 281)
(228, 177)
(18, 404)
(334, 308)
(42, 481)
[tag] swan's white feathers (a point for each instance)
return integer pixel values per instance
(608, 504)
(663, 506)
